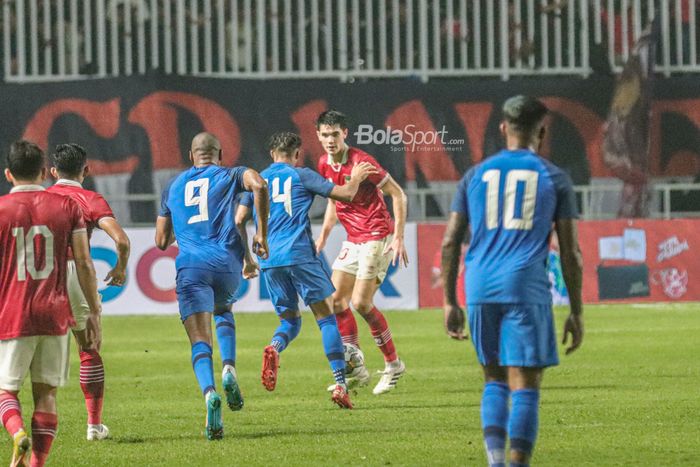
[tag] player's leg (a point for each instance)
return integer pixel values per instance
(92, 373)
(284, 298)
(528, 346)
(15, 358)
(195, 297)
(49, 371)
(315, 287)
(484, 327)
(225, 324)
(343, 278)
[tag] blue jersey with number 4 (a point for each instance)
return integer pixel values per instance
(511, 200)
(201, 203)
(292, 190)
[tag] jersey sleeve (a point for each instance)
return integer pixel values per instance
(459, 202)
(237, 175)
(379, 178)
(314, 182)
(247, 200)
(75, 214)
(566, 197)
(99, 208)
(164, 208)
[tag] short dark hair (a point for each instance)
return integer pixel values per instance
(284, 141)
(25, 160)
(524, 113)
(332, 118)
(69, 159)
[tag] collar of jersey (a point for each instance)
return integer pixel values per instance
(65, 181)
(21, 188)
(336, 166)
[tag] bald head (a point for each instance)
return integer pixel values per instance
(205, 150)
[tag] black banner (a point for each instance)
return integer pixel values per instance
(137, 130)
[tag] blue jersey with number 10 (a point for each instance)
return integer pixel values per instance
(511, 200)
(201, 203)
(292, 190)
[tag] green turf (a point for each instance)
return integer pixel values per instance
(629, 396)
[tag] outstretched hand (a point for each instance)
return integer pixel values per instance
(250, 268)
(399, 255)
(363, 170)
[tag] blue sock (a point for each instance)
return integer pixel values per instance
(202, 364)
(522, 428)
(226, 335)
(285, 333)
(494, 421)
(333, 346)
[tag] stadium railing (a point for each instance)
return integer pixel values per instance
(44, 40)
(595, 202)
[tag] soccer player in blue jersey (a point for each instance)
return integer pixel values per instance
(197, 209)
(508, 204)
(293, 268)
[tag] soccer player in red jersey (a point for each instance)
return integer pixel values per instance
(37, 228)
(70, 169)
(373, 241)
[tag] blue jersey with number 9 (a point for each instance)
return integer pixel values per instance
(201, 203)
(511, 200)
(292, 190)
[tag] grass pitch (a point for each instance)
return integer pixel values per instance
(629, 396)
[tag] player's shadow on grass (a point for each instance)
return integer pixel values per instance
(582, 386)
(319, 432)
(151, 439)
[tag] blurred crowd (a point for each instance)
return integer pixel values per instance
(374, 31)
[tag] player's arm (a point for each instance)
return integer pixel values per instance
(165, 236)
(329, 220)
(252, 181)
(456, 232)
(572, 270)
(400, 205)
(117, 276)
(347, 192)
(250, 266)
(88, 284)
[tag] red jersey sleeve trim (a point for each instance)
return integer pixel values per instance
(83, 229)
(384, 180)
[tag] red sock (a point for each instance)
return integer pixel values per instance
(347, 327)
(92, 382)
(44, 426)
(10, 413)
(381, 333)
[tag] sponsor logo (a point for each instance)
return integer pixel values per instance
(637, 288)
(671, 247)
(408, 138)
(674, 282)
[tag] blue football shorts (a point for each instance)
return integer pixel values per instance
(202, 290)
(311, 281)
(513, 334)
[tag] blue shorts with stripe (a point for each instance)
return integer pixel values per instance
(311, 281)
(202, 290)
(513, 334)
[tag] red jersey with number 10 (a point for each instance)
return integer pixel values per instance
(366, 218)
(35, 233)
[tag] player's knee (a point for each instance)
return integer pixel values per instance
(362, 306)
(339, 304)
(293, 327)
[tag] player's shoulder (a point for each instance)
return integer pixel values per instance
(356, 155)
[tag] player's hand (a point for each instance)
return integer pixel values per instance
(363, 170)
(93, 326)
(454, 322)
(116, 277)
(260, 246)
(574, 327)
(250, 268)
(399, 255)
(320, 245)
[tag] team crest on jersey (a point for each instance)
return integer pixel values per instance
(347, 178)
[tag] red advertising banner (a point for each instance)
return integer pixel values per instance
(640, 260)
(624, 261)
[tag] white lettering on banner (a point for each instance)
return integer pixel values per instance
(671, 247)
(150, 287)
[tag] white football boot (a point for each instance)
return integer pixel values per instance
(97, 432)
(390, 376)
